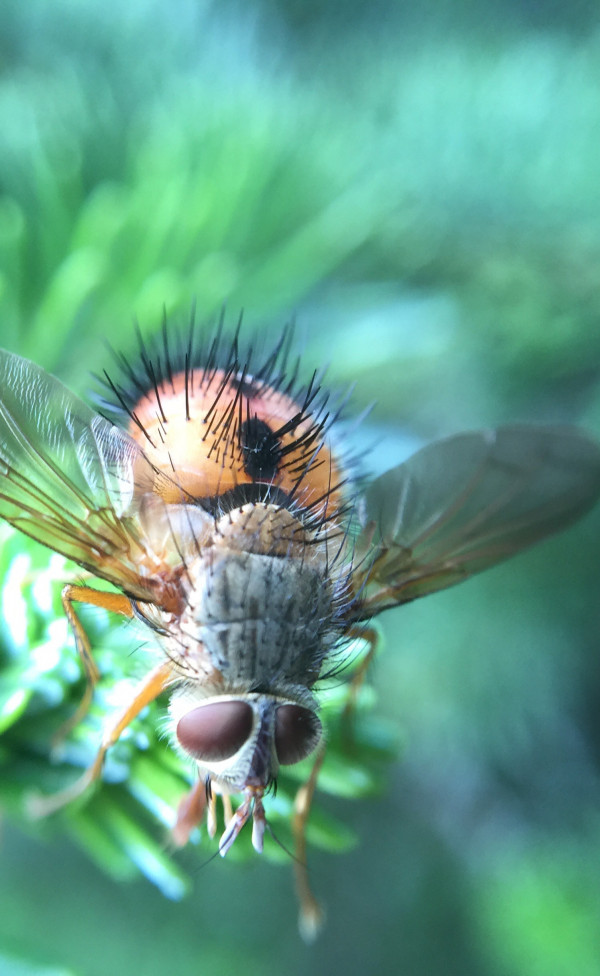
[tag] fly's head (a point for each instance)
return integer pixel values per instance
(239, 741)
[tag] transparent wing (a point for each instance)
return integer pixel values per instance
(69, 478)
(463, 504)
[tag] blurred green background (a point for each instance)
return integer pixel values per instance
(418, 186)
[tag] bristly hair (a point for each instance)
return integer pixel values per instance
(199, 353)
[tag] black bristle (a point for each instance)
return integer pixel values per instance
(238, 435)
(165, 339)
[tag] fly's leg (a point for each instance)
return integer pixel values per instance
(227, 808)
(211, 814)
(152, 686)
(310, 916)
(115, 603)
(190, 812)
(211, 810)
(201, 798)
(371, 636)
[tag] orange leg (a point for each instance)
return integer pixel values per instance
(115, 603)
(190, 812)
(153, 684)
(311, 915)
(371, 636)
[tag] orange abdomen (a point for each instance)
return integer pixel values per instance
(210, 433)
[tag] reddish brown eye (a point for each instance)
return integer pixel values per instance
(216, 731)
(297, 733)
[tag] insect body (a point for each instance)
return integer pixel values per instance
(248, 499)
(232, 529)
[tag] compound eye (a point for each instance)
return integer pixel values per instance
(216, 731)
(297, 733)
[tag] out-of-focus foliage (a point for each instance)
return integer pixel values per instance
(418, 185)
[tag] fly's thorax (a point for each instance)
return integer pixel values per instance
(240, 741)
(260, 604)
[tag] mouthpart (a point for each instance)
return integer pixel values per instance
(252, 805)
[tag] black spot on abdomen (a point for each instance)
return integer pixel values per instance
(261, 449)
